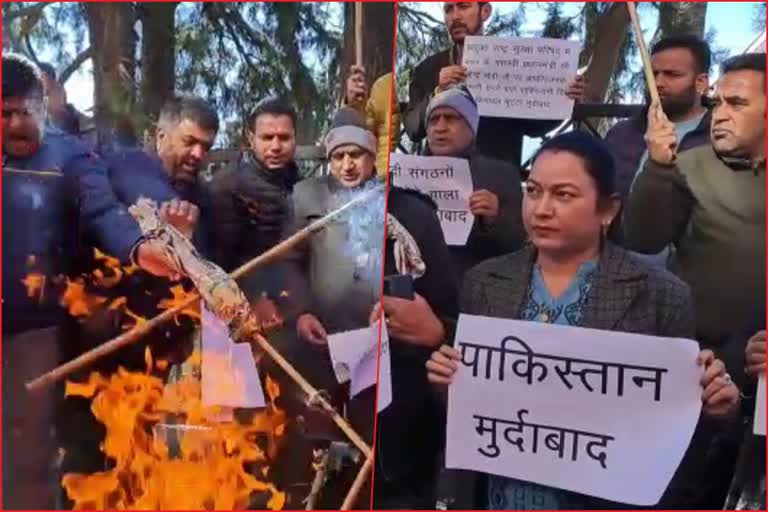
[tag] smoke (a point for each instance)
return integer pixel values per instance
(365, 229)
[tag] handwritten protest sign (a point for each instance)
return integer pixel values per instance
(229, 375)
(606, 414)
(448, 181)
(759, 424)
(355, 358)
(521, 77)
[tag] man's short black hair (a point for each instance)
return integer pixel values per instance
(694, 44)
(745, 62)
(272, 106)
(47, 69)
(191, 108)
(21, 79)
(597, 158)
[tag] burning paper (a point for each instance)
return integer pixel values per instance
(229, 374)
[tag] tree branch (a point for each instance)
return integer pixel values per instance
(75, 65)
(30, 51)
(25, 11)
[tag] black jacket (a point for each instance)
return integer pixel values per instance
(497, 137)
(411, 431)
(506, 234)
(251, 208)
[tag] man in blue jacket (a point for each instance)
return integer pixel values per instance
(169, 172)
(53, 190)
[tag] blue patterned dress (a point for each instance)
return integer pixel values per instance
(540, 306)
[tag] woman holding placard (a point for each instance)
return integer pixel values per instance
(569, 274)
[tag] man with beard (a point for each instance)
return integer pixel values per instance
(500, 138)
(681, 68)
(710, 203)
(251, 200)
(168, 173)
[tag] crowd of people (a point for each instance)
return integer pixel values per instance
(659, 229)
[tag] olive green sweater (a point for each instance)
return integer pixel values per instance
(714, 214)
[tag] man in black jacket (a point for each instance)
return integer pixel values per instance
(411, 431)
(251, 200)
(496, 203)
(498, 137)
(681, 67)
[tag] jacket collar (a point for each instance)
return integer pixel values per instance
(285, 177)
(617, 281)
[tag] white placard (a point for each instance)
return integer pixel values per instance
(355, 358)
(571, 408)
(521, 77)
(759, 424)
(448, 181)
(229, 374)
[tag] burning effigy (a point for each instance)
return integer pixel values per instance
(165, 448)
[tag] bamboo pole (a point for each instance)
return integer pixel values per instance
(313, 393)
(357, 485)
(142, 329)
(359, 33)
(650, 80)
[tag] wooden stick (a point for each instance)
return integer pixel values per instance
(313, 393)
(650, 80)
(142, 329)
(357, 485)
(359, 33)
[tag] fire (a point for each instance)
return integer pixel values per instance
(35, 285)
(78, 301)
(196, 463)
(178, 296)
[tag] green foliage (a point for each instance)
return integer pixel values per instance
(234, 54)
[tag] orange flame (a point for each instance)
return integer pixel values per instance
(180, 296)
(195, 465)
(35, 285)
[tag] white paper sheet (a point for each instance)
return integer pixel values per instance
(448, 181)
(355, 357)
(759, 425)
(624, 448)
(521, 77)
(229, 374)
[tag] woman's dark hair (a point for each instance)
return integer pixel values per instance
(597, 158)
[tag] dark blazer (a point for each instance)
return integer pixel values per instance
(506, 234)
(626, 295)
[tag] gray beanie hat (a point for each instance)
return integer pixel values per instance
(349, 128)
(460, 100)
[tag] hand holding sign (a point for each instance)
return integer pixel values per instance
(450, 76)
(720, 395)
(485, 204)
(755, 355)
(577, 89)
(442, 365)
(660, 137)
